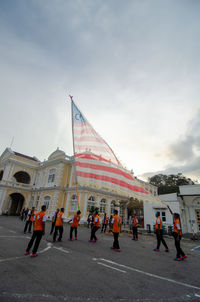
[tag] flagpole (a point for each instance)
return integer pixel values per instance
(77, 193)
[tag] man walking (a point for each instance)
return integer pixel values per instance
(38, 232)
(54, 217)
(116, 228)
(95, 227)
(29, 220)
(104, 223)
(59, 225)
(74, 225)
(135, 228)
(159, 234)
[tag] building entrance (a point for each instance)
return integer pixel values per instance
(16, 201)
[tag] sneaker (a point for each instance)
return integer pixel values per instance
(118, 250)
(33, 255)
(184, 257)
(177, 259)
(133, 238)
(71, 239)
(76, 238)
(167, 250)
(112, 248)
(90, 240)
(156, 250)
(27, 253)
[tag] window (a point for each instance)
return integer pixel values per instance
(112, 207)
(103, 206)
(47, 201)
(163, 216)
(73, 203)
(91, 203)
(52, 174)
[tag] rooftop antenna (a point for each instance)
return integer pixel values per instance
(11, 142)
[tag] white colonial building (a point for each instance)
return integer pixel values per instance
(187, 204)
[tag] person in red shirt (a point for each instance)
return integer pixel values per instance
(116, 229)
(180, 255)
(74, 225)
(95, 227)
(59, 225)
(38, 231)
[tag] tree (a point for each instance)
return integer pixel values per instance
(169, 183)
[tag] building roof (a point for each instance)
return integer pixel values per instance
(26, 156)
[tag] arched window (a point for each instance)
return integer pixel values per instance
(91, 203)
(22, 177)
(73, 203)
(102, 206)
(52, 174)
(112, 207)
(47, 201)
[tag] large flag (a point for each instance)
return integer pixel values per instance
(96, 164)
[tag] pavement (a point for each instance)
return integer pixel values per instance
(83, 271)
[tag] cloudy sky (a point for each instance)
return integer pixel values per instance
(132, 66)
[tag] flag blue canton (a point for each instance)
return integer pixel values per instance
(77, 116)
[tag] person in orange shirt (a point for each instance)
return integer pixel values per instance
(135, 228)
(59, 225)
(180, 255)
(116, 229)
(74, 225)
(104, 223)
(29, 220)
(159, 234)
(38, 231)
(95, 227)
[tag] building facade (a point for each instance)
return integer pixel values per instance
(25, 182)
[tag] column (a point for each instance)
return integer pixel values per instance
(108, 207)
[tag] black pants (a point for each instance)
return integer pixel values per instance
(71, 232)
(179, 251)
(52, 227)
(93, 231)
(28, 226)
(37, 236)
(60, 230)
(159, 235)
(135, 232)
(104, 227)
(116, 241)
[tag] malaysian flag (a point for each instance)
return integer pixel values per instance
(96, 164)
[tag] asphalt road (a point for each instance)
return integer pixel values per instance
(83, 271)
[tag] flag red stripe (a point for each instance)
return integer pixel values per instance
(112, 180)
(88, 147)
(104, 168)
(91, 156)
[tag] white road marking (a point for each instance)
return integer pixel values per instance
(117, 269)
(149, 274)
(12, 232)
(61, 249)
(196, 247)
(197, 295)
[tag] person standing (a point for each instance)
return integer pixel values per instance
(180, 255)
(38, 232)
(116, 229)
(29, 220)
(95, 227)
(159, 234)
(54, 217)
(74, 226)
(104, 223)
(135, 228)
(59, 225)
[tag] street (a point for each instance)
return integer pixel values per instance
(83, 271)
